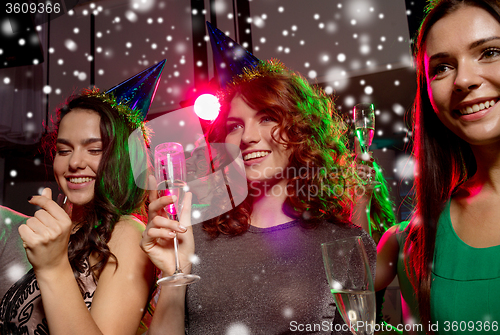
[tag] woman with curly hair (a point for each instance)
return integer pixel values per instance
(260, 264)
(89, 274)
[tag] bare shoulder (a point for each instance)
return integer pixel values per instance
(127, 230)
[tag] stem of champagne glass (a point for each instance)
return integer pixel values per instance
(176, 250)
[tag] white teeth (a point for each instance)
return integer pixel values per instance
(477, 107)
(80, 180)
(256, 154)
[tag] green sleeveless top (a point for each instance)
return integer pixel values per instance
(465, 289)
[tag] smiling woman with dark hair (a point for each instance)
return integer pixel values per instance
(453, 241)
(89, 275)
(260, 264)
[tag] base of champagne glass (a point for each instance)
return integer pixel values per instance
(178, 279)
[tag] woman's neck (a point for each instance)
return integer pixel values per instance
(267, 207)
(487, 175)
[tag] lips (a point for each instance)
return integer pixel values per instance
(471, 109)
(255, 155)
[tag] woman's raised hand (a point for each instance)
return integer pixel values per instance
(157, 239)
(46, 235)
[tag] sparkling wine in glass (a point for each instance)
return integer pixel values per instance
(348, 272)
(364, 128)
(170, 174)
(364, 125)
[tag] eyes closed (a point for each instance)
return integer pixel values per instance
(64, 148)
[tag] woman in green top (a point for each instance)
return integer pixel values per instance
(453, 240)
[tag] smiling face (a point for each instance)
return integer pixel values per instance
(265, 159)
(462, 66)
(78, 154)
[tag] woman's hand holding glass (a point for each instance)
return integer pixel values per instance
(157, 240)
(46, 235)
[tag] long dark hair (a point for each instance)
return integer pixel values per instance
(309, 125)
(444, 161)
(116, 193)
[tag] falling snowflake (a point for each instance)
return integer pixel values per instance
(194, 259)
(404, 167)
(70, 45)
(15, 272)
(287, 312)
(238, 329)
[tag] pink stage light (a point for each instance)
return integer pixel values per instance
(207, 107)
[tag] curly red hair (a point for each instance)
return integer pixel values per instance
(310, 126)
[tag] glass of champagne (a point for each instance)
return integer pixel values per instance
(364, 128)
(351, 283)
(170, 174)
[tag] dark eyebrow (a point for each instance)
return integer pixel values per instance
(482, 41)
(472, 46)
(84, 142)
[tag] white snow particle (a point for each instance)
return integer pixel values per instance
(398, 109)
(47, 89)
(287, 312)
(364, 49)
(131, 16)
(82, 76)
(70, 45)
(15, 272)
(238, 329)
(341, 57)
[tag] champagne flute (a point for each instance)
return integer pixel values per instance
(351, 283)
(170, 173)
(364, 128)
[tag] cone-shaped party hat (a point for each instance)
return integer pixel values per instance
(230, 57)
(138, 91)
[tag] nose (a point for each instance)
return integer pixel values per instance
(467, 78)
(77, 160)
(251, 135)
